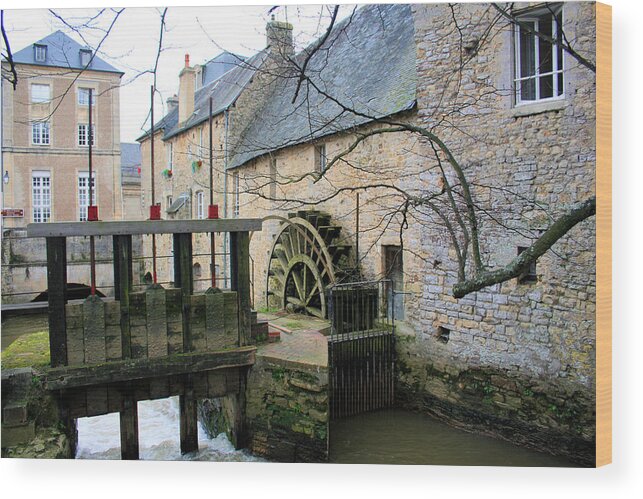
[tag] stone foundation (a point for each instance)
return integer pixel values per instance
(287, 411)
(554, 418)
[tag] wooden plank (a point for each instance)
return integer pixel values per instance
(214, 320)
(75, 339)
(174, 321)
(183, 279)
(137, 339)
(188, 418)
(156, 321)
(129, 429)
(133, 369)
(123, 287)
(57, 297)
(603, 234)
(240, 273)
(97, 400)
(197, 322)
(94, 330)
(230, 319)
(129, 227)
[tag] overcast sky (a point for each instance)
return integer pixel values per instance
(131, 46)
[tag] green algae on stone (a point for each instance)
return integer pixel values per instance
(30, 350)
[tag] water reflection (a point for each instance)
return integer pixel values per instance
(401, 437)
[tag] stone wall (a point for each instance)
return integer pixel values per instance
(287, 410)
(516, 359)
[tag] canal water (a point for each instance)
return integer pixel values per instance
(396, 436)
(383, 437)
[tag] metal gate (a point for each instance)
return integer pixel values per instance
(361, 347)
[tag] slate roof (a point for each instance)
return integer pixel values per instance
(216, 67)
(224, 92)
(62, 52)
(367, 63)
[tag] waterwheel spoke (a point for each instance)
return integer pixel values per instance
(298, 284)
(312, 292)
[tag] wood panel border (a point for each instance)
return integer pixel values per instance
(603, 234)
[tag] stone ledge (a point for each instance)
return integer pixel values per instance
(538, 108)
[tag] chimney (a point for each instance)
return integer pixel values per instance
(172, 103)
(186, 91)
(279, 37)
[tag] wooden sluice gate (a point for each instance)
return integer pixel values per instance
(108, 355)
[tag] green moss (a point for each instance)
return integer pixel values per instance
(30, 350)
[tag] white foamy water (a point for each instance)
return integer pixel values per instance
(158, 434)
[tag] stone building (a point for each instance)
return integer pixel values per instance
(45, 144)
(517, 359)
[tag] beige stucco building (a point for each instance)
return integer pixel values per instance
(45, 157)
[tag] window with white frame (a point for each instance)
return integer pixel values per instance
(539, 62)
(201, 155)
(40, 133)
(40, 93)
(83, 194)
(237, 201)
(320, 158)
(189, 154)
(83, 97)
(170, 154)
(41, 196)
(200, 205)
(40, 52)
(83, 134)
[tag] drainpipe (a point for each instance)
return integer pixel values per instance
(225, 196)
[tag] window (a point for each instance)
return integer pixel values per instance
(320, 158)
(200, 205)
(170, 154)
(189, 154)
(40, 52)
(530, 274)
(40, 133)
(83, 194)
(83, 97)
(237, 203)
(40, 93)
(85, 57)
(41, 196)
(539, 63)
(443, 334)
(168, 202)
(273, 178)
(83, 134)
(201, 143)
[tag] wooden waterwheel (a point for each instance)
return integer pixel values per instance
(307, 256)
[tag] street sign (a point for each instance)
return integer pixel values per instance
(13, 212)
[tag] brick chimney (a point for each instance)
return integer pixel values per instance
(279, 37)
(186, 91)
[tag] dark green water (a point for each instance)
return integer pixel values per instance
(401, 437)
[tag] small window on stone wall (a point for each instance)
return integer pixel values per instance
(530, 274)
(442, 334)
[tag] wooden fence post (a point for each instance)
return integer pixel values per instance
(240, 281)
(123, 286)
(57, 297)
(183, 279)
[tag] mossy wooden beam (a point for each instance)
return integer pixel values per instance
(60, 378)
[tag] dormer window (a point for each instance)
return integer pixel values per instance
(39, 52)
(85, 57)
